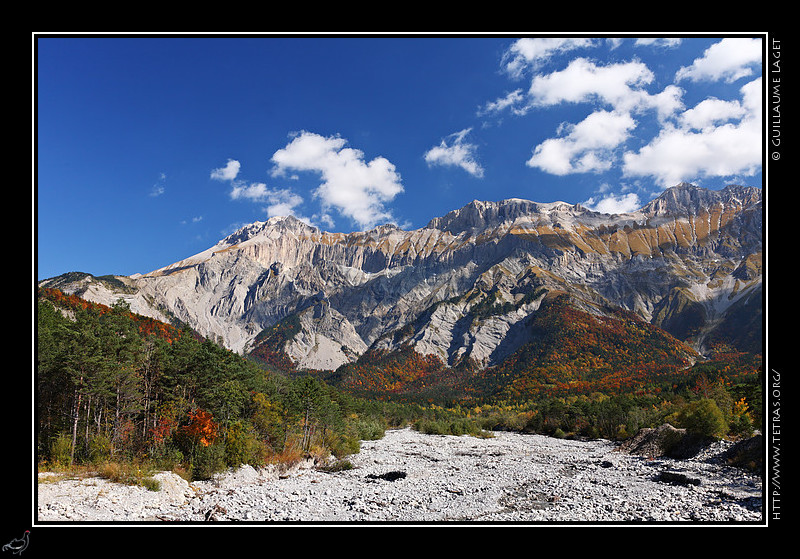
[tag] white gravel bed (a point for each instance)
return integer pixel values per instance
(408, 477)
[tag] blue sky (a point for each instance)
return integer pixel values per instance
(151, 149)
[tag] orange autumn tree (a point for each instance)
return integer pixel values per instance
(201, 427)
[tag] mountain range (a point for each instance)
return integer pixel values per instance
(469, 288)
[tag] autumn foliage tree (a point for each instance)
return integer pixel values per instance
(201, 428)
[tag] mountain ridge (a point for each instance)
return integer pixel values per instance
(462, 287)
(483, 214)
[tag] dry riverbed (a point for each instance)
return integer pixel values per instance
(408, 477)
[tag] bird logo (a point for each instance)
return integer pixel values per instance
(18, 545)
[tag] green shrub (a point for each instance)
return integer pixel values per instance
(432, 427)
(208, 460)
(61, 451)
(369, 428)
(166, 457)
(242, 446)
(340, 444)
(703, 418)
(338, 466)
(742, 426)
(455, 427)
(99, 449)
(151, 484)
(129, 474)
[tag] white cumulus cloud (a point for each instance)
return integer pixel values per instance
(707, 140)
(587, 147)
(227, 173)
(356, 188)
(582, 81)
(666, 42)
(617, 91)
(615, 204)
(528, 51)
(512, 101)
(716, 137)
(730, 59)
(279, 202)
(456, 153)
(711, 112)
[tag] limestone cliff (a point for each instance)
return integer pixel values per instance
(463, 286)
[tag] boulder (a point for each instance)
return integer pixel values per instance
(664, 441)
(173, 487)
(748, 454)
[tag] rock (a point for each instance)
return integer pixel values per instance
(654, 442)
(677, 478)
(748, 454)
(388, 476)
(665, 440)
(215, 513)
(174, 488)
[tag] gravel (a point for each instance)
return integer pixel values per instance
(409, 477)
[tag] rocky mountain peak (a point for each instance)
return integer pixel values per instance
(279, 224)
(688, 199)
(482, 215)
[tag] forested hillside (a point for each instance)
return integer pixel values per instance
(115, 386)
(583, 374)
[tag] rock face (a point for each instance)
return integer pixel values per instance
(326, 340)
(462, 286)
